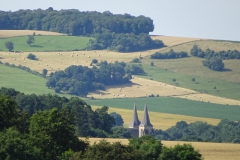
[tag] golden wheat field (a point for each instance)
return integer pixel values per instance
(210, 151)
(160, 120)
(15, 33)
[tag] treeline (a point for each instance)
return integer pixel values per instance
(79, 80)
(230, 54)
(23, 68)
(225, 131)
(51, 133)
(169, 55)
(122, 33)
(129, 42)
(75, 22)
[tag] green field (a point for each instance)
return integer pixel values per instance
(22, 81)
(174, 106)
(46, 43)
(202, 84)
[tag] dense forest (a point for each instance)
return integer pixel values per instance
(123, 33)
(225, 131)
(79, 80)
(46, 127)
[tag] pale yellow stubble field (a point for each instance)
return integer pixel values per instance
(210, 151)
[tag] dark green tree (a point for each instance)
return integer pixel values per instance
(214, 63)
(30, 40)
(180, 152)
(150, 147)
(31, 56)
(9, 45)
(55, 133)
(107, 151)
(8, 112)
(44, 72)
(118, 118)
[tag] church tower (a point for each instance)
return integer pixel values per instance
(134, 124)
(145, 127)
(135, 121)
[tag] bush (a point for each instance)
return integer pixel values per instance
(214, 63)
(94, 61)
(136, 60)
(32, 56)
(193, 79)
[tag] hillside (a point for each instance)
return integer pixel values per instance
(157, 81)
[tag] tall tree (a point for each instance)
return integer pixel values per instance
(9, 45)
(30, 40)
(55, 133)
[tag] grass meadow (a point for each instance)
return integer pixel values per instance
(46, 43)
(209, 151)
(173, 106)
(208, 84)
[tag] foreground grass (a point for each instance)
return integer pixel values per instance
(174, 106)
(210, 151)
(46, 43)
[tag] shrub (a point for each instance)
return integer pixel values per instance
(32, 56)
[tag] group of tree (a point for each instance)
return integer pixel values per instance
(230, 54)
(25, 69)
(129, 42)
(9, 45)
(169, 55)
(123, 33)
(79, 80)
(225, 131)
(50, 133)
(213, 60)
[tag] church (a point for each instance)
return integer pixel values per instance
(137, 128)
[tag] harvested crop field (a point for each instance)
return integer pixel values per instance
(141, 87)
(210, 151)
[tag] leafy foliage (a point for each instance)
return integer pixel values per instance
(30, 40)
(124, 42)
(118, 118)
(225, 131)
(32, 56)
(79, 80)
(9, 45)
(180, 152)
(214, 63)
(230, 54)
(169, 55)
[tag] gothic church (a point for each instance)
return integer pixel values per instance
(137, 128)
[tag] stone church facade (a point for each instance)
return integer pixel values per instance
(137, 128)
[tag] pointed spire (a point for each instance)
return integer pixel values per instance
(135, 121)
(145, 120)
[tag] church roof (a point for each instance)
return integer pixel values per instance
(145, 120)
(135, 121)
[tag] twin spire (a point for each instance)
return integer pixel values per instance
(135, 123)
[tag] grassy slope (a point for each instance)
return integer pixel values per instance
(22, 81)
(174, 106)
(201, 84)
(46, 43)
